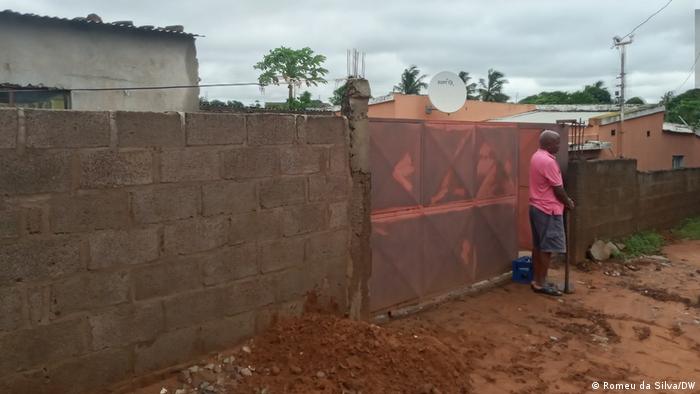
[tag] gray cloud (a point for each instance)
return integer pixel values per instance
(538, 44)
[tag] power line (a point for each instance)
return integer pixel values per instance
(647, 20)
(689, 72)
(210, 85)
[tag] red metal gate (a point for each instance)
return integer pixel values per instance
(445, 209)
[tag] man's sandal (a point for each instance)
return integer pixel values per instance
(548, 290)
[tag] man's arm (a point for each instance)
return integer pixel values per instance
(561, 195)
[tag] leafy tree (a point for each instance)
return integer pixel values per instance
(491, 88)
(666, 98)
(471, 87)
(294, 67)
(303, 102)
(685, 107)
(205, 104)
(338, 94)
(600, 93)
(635, 100)
(411, 81)
(591, 94)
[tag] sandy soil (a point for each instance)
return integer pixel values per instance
(625, 323)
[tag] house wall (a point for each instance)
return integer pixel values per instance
(68, 56)
(132, 241)
(614, 200)
(413, 107)
(653, 152)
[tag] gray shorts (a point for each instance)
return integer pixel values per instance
(547, 231)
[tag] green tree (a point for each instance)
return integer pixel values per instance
(303, 102)
(338, 94)
(294, 67)
(556, 97)
(411, 81)
(666, 98)
(491, 88)
(599, 92)
(685, 108)
(471, 87)
(205, 104)
(635, 100)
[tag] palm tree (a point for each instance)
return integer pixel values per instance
(411, 83)
(492, 89)
(471, 87)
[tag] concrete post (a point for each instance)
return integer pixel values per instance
(354, 107)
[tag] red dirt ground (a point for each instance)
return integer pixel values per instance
(643, 325)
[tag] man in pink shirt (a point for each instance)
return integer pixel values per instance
(547, 202)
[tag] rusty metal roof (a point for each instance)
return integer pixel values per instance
(125, 25)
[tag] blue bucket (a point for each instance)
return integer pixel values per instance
(522, 269)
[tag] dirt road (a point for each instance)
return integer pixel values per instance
(625, 324)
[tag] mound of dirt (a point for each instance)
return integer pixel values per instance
(320, 353)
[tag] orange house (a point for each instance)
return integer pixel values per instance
(403, 106)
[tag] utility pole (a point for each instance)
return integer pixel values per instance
(621, 44)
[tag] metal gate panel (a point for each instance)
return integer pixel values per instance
(449, 173)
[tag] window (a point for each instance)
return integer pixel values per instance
(677, 162)
(612, 132)
(648, 133)
(35, 98)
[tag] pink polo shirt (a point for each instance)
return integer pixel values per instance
(544, 176)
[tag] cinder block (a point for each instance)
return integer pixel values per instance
(33, 222)
(191, 164)
(302, 219)
(10, 223)
(255, 226)
(210, 233)
(328, 187)
(39, 304)
(229, 263)
(301, 159)
(8, 128)
(294, 282)
(168, 349)
(339, 160)
(90, 373)
(162, 203)
(89, 210)
(106, 168)
(66, 129)
(277, 255)
(324, 130)
(271, 129)
(229, 197)
(247, 295)
(192, 308)
(338, 214)
(88, 291)
(326, 245)
(11, 309)
(42, 345)
(278, 192)
(223, 333)
(215, 129)
(36, 171)
(122, 247)
(149, 129)
(35, 259)
(168, 277)
(127, 324)
(244, 163)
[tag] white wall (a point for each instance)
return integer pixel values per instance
(69, 56)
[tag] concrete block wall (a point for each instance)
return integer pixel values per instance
(133, 241)
(614, 200)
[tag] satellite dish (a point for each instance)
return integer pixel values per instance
(447, 92)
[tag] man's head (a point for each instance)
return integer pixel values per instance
(549, 141)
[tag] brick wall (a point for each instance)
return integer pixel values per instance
(613, 200)
(132, 241)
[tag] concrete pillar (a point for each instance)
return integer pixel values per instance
(354, 107)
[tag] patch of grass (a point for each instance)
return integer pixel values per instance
(644, 243)
(689, 229)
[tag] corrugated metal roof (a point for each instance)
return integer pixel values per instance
(126, 25)
(548, 116)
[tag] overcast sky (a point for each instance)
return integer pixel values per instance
(538, 44)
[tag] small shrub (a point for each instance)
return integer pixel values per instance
(648, 242)
(689, 229)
